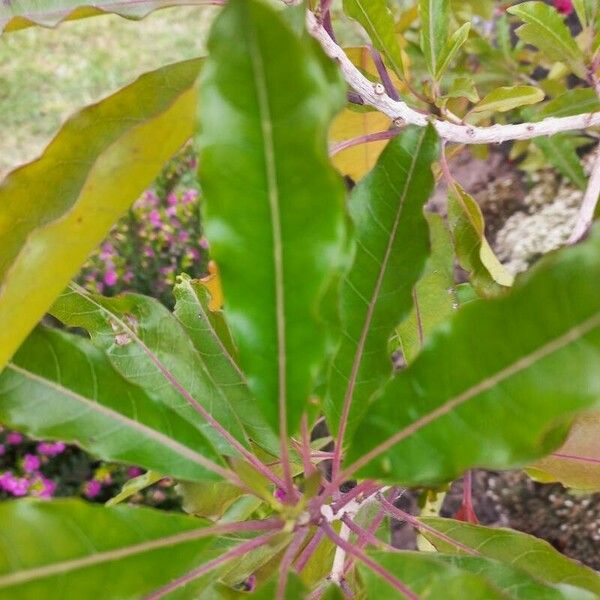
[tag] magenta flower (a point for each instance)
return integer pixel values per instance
(171, 211)
(204, 243)
(172, 199)
(51, 448)
(134, 472)
(2, 449)
(154, 217)
(148, 251)
(128, 276)
(14, 438)
(189, 196)
(183, 236)
(280, 494)
(107, 251)
(17, 486)
(31, 463)
(194, 254)
(111, 277)
(92, 489)
(564, 6)
(42, 487)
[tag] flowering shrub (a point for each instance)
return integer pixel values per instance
(160, 237)
(43, 469)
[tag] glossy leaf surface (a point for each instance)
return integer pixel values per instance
(473, 251)
(57, 209)
(120, 552)
(60, 386)
(434, 297)
(504, 99)
(378, 22)
(274, 204)
(434, 576)
(509, 374)
(530, 554)
(150, 348)
(435, 15)
(545, 29)
(391, 236)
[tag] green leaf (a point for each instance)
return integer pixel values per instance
(530, 554)
(212, 339)
(433, 296)
(503, 99)
(68, 548)
(497, 386)
(49, 13)
(559, 150)
(545, 29)
(435, 16)
(208, 499)
(134, 485)
(273, 202)
(391, 246)
(150, 348)
(577, 463)
(586, 10)
(60, 386)
(434, 576)
(57, 209)
(378, 22)
(573, 102)
(463, 87)
(473, 251)
(450, 50)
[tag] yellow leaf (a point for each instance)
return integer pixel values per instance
(212, 282)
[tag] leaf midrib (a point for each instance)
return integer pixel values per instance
(572, 335)
(381, 275)
(67, 566)
(154, 435)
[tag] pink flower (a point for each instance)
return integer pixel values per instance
(280, 494)
(204, 243)
(183, 236)
(14, 438)
(111, 277)
(128, 276)
(564, 6)
(134, 472)
(158, 496)
(171, 211)
(107, 251)
(51, 448)
(31, 463)
(17, 486)
(189, 196)
(148, 251)
(154, 217)
(194, 254)
(172, 199)
(2, 449)
(92, 489)
(42, 487)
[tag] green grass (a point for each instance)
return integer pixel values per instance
(47, 74)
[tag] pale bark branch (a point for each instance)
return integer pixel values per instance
(375, 96)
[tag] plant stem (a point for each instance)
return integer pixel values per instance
(286, 561)
(585, 217)
(586, 459)
(363, 139)
(452, 132)
(383, 74)
(236, 552)
(414, 521)
(369, 562)
(309, 550)
(168, 375)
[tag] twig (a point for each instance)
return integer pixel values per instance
(463, 134)
(585, 217)
(369, 562)
(236, 552)
(363, 139)
(287, 560)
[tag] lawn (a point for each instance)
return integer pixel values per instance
(47, 74)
